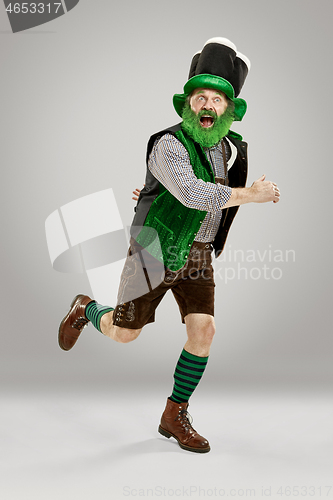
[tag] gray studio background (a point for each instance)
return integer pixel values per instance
(80, 97)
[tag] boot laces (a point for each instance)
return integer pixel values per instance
(185, 418)
(80, 323)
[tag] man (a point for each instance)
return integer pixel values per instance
(189, 200)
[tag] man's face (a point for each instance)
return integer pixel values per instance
(208, 100)
(207, 116)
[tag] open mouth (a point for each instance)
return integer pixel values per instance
(206, 121)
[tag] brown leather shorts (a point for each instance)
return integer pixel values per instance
(192, 286)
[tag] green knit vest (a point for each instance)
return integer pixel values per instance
(175, 224)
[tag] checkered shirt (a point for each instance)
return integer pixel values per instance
(169, 162)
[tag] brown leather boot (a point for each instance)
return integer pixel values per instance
(73, 323)
(175, 422)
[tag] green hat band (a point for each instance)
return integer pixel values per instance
(210, 82)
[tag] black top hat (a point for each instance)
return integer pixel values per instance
(218, 66)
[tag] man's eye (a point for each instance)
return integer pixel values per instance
(200, 98)
(217, 99)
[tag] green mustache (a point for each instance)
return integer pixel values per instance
(207, 113)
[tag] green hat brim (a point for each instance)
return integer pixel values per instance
(207, 81)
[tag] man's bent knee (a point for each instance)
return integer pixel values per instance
(125, 335)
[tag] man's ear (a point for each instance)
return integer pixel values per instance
(231, 104)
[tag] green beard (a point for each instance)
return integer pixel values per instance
(207, 137)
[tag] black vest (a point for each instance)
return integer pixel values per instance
(237, 175)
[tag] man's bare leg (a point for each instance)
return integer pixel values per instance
(200, 329)
(193, 359)
(117, 333)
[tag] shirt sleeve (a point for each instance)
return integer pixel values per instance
(169, 162)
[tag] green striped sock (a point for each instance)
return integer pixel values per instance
(188, 373)
(95, 311)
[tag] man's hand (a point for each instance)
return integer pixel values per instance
(263, 191)
(136, 193)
